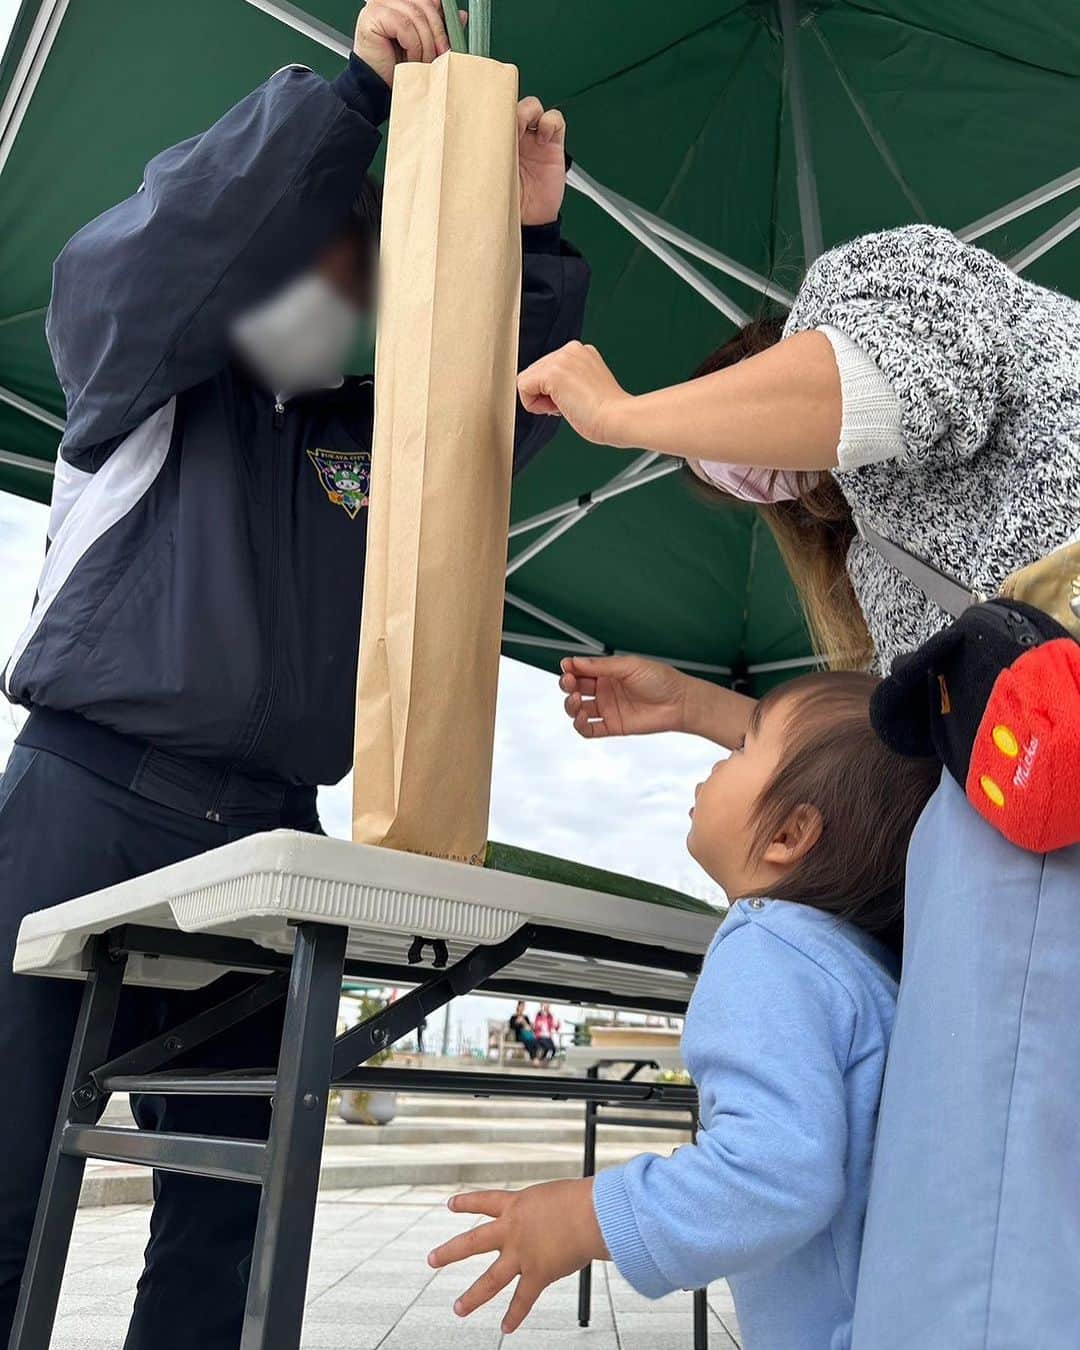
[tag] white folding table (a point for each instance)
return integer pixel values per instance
(299, 912)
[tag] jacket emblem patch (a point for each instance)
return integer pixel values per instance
(345, 476)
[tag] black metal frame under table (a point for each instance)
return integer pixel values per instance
(593, 1118)
(312, 1060)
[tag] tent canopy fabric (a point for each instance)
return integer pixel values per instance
(727, 141)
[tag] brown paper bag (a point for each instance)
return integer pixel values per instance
(440, 493)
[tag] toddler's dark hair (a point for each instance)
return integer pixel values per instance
(868, 797)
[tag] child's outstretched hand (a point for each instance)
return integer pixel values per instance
(542, 1234)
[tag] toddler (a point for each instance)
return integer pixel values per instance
(806, 828)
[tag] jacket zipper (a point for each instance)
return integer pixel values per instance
(271, 682)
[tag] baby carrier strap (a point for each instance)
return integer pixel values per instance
(1051, 584)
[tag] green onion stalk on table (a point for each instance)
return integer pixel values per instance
(525, 862)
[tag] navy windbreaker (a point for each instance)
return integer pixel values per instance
(203, 581)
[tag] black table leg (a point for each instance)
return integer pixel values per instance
(588, 1169)
(701, 1319)
(701, 1296)
(80, 1103)
(274, 1313)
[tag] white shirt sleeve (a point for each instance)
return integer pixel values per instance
(870, 428)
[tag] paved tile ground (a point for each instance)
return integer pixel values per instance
(372, 1289)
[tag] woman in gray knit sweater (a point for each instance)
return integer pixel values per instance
(921, 384)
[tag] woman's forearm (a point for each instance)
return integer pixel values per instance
(780, 409)
(718, 714)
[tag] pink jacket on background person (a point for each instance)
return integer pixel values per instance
(546, 1024)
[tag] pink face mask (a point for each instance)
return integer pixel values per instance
(762, 486)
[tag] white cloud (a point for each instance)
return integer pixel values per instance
(8, 10)
(22, 547)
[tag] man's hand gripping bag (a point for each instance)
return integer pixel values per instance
(445, 400)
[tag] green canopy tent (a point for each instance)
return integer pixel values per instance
(717, 148)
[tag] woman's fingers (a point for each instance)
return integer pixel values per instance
(536, 400)
(529, 112)
(586, 687)
(485, 1237)
(493, 1281)
(588, 725)
(581, 702)
(592, 667)
(540, 405)
(551, 128)
(535, 385)
(525, 1295)
(491, 1203)
(548, 124)
(572, 681)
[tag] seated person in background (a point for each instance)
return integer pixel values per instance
(806, 828)
(546, 1027)
(521, 1029)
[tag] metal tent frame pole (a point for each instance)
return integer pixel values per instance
(28, 72)
(31, 409)
(1020, 206)
(877, 139)
(26, 462)
(302, 22)
(806, 182)
(810, 662)
(1046, 241)
(569, 649)
(627, 481)
(553, 621)
(772, 290)
(791, 663)
(582, 503)
(587, 185)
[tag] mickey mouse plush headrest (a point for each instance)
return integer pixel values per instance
(996, 697)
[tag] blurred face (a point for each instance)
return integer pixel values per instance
(721, 827)
(300, 337)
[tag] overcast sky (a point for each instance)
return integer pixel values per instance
(617, 805)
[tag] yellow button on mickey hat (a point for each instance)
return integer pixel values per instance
(992, 790)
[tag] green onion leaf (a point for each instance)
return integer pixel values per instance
(480, 27)
(454, 30)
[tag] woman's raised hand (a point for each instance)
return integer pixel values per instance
(574, 383)
(622, 695)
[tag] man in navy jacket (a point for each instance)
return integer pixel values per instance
(190, 661)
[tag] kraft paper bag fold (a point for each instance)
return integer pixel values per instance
(445, 400)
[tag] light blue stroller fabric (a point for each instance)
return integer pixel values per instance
(973, 1229)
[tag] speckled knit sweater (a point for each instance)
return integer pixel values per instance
(986, 367)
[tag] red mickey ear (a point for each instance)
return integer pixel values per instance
(1024, 772)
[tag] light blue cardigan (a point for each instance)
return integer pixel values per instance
(786, 1037)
